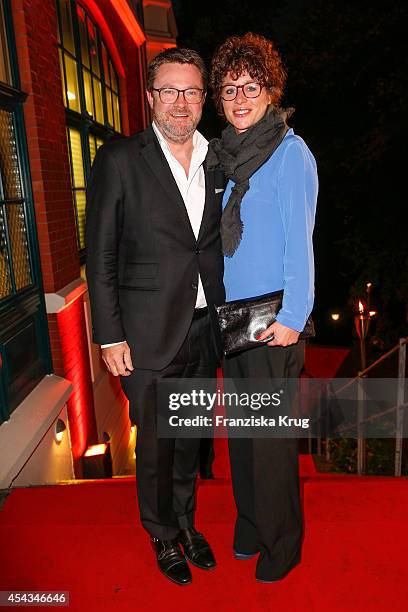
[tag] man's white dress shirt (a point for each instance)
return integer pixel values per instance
(192, 190)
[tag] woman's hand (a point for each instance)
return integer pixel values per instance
(282, 335)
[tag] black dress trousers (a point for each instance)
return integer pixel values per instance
(265, 473)
(166, 468)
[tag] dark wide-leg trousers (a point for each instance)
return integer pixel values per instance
(265, 474)
(166, 468)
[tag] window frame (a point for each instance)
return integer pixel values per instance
(82, 120)
(17, 308)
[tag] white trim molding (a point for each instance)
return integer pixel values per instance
(55, 302)
(28, 424)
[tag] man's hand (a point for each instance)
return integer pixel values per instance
(282, 335)
(118, 360)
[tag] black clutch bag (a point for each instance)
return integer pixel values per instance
(241, 321)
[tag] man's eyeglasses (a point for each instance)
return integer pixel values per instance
(250, 90)
(169, 95)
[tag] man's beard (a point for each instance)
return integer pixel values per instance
(175, 132)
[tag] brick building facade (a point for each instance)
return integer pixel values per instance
(72, 76)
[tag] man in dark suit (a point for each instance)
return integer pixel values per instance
(154, 271)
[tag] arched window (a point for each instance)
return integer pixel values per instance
(91, 96)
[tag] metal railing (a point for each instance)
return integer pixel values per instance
(398, 410)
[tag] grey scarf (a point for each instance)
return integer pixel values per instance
(240, 155)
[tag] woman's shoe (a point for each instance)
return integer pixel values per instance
(243, 556)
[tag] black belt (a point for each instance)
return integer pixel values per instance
(199, 313)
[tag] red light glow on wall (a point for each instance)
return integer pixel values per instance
(166, 4)
(75, 356)
(160, 46)
(129, 21)
(96, 13)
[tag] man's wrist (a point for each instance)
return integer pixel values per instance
(112, 344)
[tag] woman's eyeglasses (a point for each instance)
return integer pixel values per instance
(250, 90)
(169, 95)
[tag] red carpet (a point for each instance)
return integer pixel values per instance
(85, 538)
(324, 361)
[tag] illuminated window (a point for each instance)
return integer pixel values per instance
(91, 96)
(77, 181)
(94, 144)
(112, 91)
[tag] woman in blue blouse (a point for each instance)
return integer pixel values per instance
(268, 217)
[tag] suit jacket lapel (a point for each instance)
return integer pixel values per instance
(154, 156)
(209, 195)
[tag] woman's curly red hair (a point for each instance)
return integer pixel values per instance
(254, 54)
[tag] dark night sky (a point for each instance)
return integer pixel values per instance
(347, 71)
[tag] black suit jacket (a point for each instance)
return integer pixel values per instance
(142, 258)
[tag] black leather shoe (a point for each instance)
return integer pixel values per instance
(196, 549)
(171, 561)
